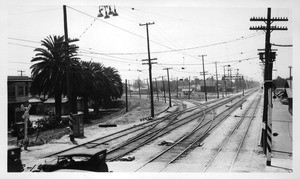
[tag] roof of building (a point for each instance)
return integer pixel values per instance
(186, 90)
(18, 78)
(52, 100)
(34, 100)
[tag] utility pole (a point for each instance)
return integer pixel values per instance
(69, 92)
(126, 96)
(217, 80)
(267, 110)
(291, 75)
(177, 88)
(148, 90)
(290, 67)
(231, 80)
(129, 88)
(243, 81)
(139, 87)
(71, 105)
(225, 81)
(169, 88)
(156, 90)
(237, 80)
(195, 83)
(21, 71)
(189, 87)
(162, 80)
(205, 93)
(150, 67)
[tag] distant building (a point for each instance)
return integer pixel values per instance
(289, 94)
(49, 105)
(17, 89)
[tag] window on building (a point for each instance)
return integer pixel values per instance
(11, 91)
(26, 90)
(20, 91)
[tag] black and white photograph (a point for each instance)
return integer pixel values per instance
(152, 89)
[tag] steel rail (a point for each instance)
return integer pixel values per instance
(245, 134)
(155, 135)
(115, 135)
(186, 136)
(229, 136)
(125, 132)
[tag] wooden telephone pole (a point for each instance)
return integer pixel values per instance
(267, 110)
(169, 88)
(205, 92)
(150, 66)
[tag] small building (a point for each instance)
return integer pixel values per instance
(17, 89)
(37, 107)
(289, 94)
(187, 91)
(49, 105)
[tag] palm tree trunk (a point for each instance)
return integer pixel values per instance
(58, 105)
(96, 106)
(73, 99)
(85, 109)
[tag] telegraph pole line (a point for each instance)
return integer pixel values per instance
(225, 81)
(69, 92)
(71, 104)
(150, 67)
(291, 75)
(231, 79)
(205, 93)
(169, 88)
(139, 87)
(156, 90)
(267, 131)
(126, 95)
(217, 79)
(162, 80)
(129, 88)
(237, 80)
(177, 87)
(189, 87)
(148, 90)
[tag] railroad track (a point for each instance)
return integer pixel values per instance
(146, 132)
(102, 140)
(187, 142)
(143, 128)
(230, 148)
(143, 139)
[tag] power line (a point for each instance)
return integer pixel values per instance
(170, 49)
(22, 45)
(24, 40)
(184, 49)
(278, 45)
(107, 22)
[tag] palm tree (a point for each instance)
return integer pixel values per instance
(88, 85)
(49, 71)
(114, 89)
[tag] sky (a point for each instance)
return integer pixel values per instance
(181, 33)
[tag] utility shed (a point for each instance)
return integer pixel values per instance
(289, 93)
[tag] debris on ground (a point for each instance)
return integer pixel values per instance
(107, 125)
(166, 143)
(127, 159)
